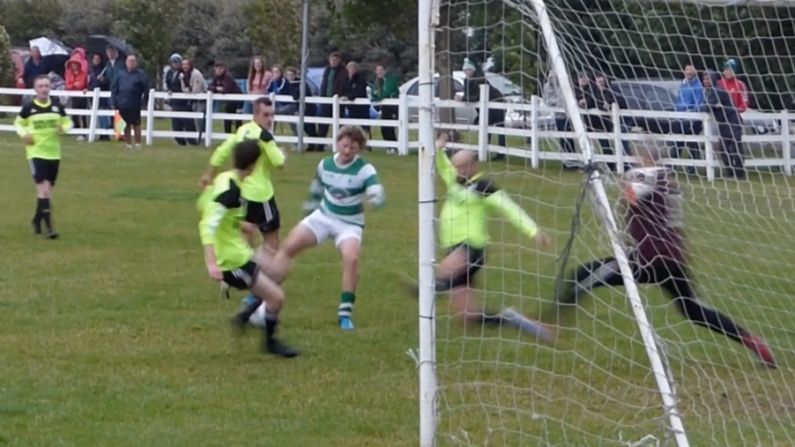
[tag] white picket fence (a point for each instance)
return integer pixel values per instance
(536, 142)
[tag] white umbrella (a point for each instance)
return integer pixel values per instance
(49, 47)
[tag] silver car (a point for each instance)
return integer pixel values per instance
(464, 115)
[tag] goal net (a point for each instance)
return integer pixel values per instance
(611, 378)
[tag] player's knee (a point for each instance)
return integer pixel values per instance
(350, 261)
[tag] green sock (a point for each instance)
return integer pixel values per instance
(346, 304)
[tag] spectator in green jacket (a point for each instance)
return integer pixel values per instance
(115, 64)
(386, 87)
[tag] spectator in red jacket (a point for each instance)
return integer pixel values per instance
(77, 80)
(734, 86)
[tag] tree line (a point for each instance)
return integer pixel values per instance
(620, 39)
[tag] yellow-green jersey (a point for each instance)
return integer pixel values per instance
(257, 187)
(463, 219)
(223, 210)
(43, 121)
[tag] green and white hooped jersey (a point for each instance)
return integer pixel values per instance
(340, 191)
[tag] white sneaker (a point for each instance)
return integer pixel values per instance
(81, 138)
(137, 147)
(127, 147)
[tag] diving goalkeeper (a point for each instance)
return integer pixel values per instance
(653, 218)
(463, 233)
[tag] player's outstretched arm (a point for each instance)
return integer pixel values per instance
(316, 191)
(220, 156)
(444, 168)
(22, 125)
(272, 151)
(501, 203)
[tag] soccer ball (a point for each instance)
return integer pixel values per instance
(258, 318)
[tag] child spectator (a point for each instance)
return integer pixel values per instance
(735, 87)
(280, 86)
(77, 81)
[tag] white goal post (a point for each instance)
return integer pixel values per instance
(483, 391)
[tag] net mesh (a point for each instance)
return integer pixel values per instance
(595, 387)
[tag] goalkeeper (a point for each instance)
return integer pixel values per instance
(653, 217)
(463, 233)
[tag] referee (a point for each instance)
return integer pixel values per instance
(39, 124)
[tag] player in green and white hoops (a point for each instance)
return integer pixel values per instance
(343, 186)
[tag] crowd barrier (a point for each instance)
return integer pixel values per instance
(530, 127)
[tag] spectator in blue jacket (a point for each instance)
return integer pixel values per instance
(34, 67)
(280, 86)
(689, 99)
(719, 103)
(128, 93)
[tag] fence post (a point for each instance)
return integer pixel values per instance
(93, 120)
(618, 143)
(709, 151)
(534, 146)
(335, 125)
(786, 143)
(208, 120)
(403, 127)
(483, 123)
(150, 117)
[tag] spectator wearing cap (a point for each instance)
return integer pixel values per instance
(174, 78)
(689, 98)
(495, 117)
(720, 104)
(223, 83)
(735, 87)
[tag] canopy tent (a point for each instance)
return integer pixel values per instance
(54, 53)
(97, 44)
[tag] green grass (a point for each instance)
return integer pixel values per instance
(113, 335)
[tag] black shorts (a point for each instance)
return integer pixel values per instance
(242, 277)
(264, 215)
(476, 257)
(44, 170)
(131, 117)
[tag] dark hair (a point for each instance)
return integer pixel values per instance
(335, 54)
(263, 101)
(246, 154)
(289, 69)
(219, 64)
(355, 133)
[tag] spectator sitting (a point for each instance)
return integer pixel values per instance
(386, 87)
(129, 91)
(334, 83)
(310, 129)
(689, 99)
(735, 87)
(97, 79)
(357, 89)
(720, 103)
(257, 82)
(174, 78)
(553, 97)
(280, 86)
(496, 117)
(34, 67)
(77, 81)
(193, 81)
(223, 83)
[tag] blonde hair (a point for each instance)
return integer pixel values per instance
(353, 64)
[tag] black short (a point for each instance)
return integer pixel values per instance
(242, 277)
(476, 257)
(131, 117)
(44, 170)
(264, 215)
(672, 276)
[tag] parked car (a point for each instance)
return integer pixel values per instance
(660, 95)
(511, 93)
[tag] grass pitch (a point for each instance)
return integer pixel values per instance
(114, 336)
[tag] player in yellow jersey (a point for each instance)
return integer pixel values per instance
(261, 210)
(40, 124)
(228, 254)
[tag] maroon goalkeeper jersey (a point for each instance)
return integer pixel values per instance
(654, 216)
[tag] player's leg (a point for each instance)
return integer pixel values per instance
(675, 280)
(125, 115)
(349, 245)
(311, 231)
(262, 219)
(45, 174)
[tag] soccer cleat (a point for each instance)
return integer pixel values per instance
(346, 324)
(273, 346)
(525, 324)
(760, 349)
(51, 235)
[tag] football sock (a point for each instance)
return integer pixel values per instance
(489, 318)
(46, 212)
(345, 309)
(38, 216)
(271, 321)
(707, 317)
